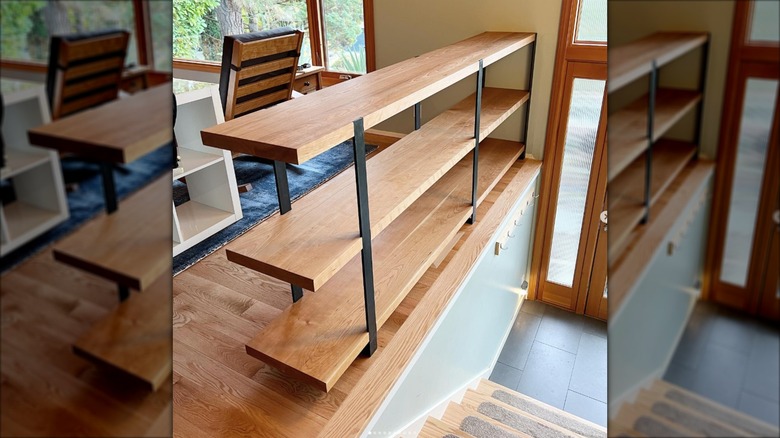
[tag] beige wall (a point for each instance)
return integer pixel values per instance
(406, 28)
(630, 20)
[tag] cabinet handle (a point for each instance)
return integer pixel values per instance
(306, 84)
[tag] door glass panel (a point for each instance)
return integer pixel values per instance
(592, 21)
(345, 38)
(764, 26)
(754, 131)
(581, 129)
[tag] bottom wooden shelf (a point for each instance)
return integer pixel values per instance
(626, 192)
(643, 241)
(135, 338)
(317, 338)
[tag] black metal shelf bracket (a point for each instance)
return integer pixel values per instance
(526, 125)
(653, 87)
(285, 205)
(124, 292)
(475, 165)
(705, 53)
(417, 115)
(361, 180)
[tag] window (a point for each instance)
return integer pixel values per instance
(27, 26)
(334, 35)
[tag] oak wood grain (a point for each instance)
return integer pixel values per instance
(288, 132)
(120, 131)
(319, 236)
(130, 247)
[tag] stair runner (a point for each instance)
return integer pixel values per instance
(666, 410)
(494, 411)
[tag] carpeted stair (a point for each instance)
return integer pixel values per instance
(495, 411)
(666, 410)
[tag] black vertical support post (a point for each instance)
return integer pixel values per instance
(361, 181)
(475, 166)
(417, 115)
(285, 205)
(705, 52)
(124, 293)
(528, 104)
(650, 140)
(109, 191)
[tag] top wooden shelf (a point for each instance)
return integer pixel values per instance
(298, 130)
(630, 61)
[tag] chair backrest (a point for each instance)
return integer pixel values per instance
(85, 70)
(258, 70)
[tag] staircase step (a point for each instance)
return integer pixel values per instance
(319, 236)
(435, 428)
(135, 338)
(514, 418)
(649, 424)
(541, 410)
(477, 424)
(689, 418)
(318, 337)
(712, 409)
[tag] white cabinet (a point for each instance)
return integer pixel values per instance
(38, 202)
(211, 181)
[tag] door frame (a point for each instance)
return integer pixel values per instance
(746, 60)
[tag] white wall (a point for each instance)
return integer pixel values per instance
(406, 28)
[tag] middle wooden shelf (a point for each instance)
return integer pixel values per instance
(312, 245)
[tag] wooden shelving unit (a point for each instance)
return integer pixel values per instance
(34, 172)
(411, 199)
(646, 168)
(211, 180)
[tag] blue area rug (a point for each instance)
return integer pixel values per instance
(88, 201)
(261, 202)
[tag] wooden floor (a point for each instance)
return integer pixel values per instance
(46, 389)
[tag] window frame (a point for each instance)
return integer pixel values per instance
(142, 32)
(317, 42)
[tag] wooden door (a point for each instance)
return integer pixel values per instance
(595, 301)
(742, 238)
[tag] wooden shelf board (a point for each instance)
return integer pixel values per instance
(23, 218)
(628, 126)
(130, 246)
(633, 60)
(195, 217)
(324, 226)
(135, 338)
(193, 161)
(317, 338)
(626, 193)
(18, 161)
(644, 240)
(297, 130)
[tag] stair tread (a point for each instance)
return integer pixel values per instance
(650, 424)
(478, 401)
(317, 338)
(489, 388)
(135, 338)
(435, 428)
(310, 244)
(456, 415)
(713, 409)
(712, 426)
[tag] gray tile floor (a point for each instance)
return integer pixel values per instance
(731, 359)
(559, 358)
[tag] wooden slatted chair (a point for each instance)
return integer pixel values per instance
(85, 70)
(258, 70)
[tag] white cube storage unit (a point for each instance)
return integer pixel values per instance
(39, 201)
(211, 181)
